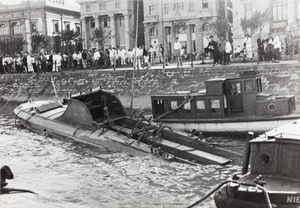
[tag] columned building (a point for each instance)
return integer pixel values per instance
(44, 17)
(164, 20)
(284, 17)
(116, 21)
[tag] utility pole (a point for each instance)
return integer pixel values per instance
(163, 32)
(299, 31)
(28, 28)
(226, 17)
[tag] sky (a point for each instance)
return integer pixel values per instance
(10, 2)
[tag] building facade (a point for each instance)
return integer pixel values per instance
(47, 17)
(186, 19)
(116, 19)
(284, 17)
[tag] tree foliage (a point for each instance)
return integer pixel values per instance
(257, 22)
(12, 45)
(220, 27)
(178, 27)
(70, 37)
(100, 36)
(39, 41)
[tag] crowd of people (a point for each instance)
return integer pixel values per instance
(269, 49)
(221, 51)
(97, 58)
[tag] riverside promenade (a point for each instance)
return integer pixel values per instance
(277, 78)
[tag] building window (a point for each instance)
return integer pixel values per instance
(77, 27)
(68, 27)
(33, 27)
(191, 6)
(88, 8)
(166, 8)
(106, 22)
(55, 26)
(178, 6)
(153, 31)
(3, 29)
(122, 20)
(117, 4)
(16, 28)
(204, 4)
(102, 6)
(279, 11)
(151, 10)
(248, 11)
(93, 23)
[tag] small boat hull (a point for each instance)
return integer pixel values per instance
(232, 126)
(94, 120)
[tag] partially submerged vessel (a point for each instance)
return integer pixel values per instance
(227, 105)
(98, 118)
(274, 176)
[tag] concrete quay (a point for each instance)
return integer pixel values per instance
(278, 78)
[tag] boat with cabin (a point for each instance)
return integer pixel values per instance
(235, 104)
(274, 176)
(98, 118)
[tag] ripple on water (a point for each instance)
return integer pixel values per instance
(67, 174)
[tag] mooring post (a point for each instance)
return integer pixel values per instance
(246, 157)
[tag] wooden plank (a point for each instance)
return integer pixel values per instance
(198, 153)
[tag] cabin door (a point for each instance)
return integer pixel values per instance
(158, 107)
(235, 97)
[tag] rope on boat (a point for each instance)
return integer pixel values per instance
(208, 194)
(7, 190)
(264, 190)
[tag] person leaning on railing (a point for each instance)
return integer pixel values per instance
(177, 49)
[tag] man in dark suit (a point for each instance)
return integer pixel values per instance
(261, 49)
(213, 48)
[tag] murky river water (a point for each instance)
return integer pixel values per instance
(68, 174)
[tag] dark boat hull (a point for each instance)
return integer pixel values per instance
(133, 136)
(226, 198)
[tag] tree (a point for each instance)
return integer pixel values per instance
(12, 45)
(100, 37)
(38, 42)
(178, 27)
(257, 21)
(220, 27)
(69, 37)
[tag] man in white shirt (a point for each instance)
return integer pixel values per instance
(177, 49)
(96, 57)
(277, 48)
(136, 53)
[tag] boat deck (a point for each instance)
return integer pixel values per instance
(275, 184)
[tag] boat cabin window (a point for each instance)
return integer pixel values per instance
(173, 105)
(258, 84)
(200, 104)
(215, 105)
(159, 106)
(249, 88)
(187, 107)
(235, 88)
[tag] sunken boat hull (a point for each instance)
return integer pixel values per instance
(98, 118)
(227, 105)
(274, 176)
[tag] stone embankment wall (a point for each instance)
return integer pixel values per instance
(277, 79)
